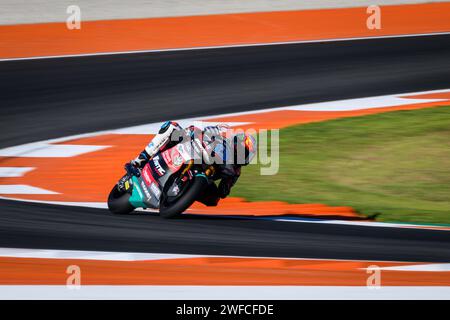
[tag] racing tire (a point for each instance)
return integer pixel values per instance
(187, 199)
(118, 202)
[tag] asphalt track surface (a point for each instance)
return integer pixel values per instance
(51, 98)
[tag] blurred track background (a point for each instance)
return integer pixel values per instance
(51, 98)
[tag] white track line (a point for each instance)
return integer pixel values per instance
(139, 256)
(90, 255)
(366, 223)
(355, 104)
(13, 172)
(226, 46)
(145, 292)
(434, 267)
(22, 189)
(368, 103)
(94, 205)
(45, 150)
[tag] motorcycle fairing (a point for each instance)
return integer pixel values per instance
(137, 198)
(147, 188)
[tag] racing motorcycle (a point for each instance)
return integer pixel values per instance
(171, 181)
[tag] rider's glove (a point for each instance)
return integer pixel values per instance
(133, 169)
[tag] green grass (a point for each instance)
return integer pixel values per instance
(396, 164)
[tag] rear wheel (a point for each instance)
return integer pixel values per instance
(118, 202)
(169, 209)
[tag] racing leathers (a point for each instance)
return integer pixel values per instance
(169, 135)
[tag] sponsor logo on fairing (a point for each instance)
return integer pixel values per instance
(144, 188)
(146, 175)
(154, 188)
(158, 167)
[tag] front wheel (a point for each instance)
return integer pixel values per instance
(118, 202)
(171, 210)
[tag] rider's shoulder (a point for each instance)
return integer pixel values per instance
(169, 124)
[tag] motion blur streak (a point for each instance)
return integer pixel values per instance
(44, 99)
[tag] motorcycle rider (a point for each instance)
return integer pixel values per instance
(216, 141)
